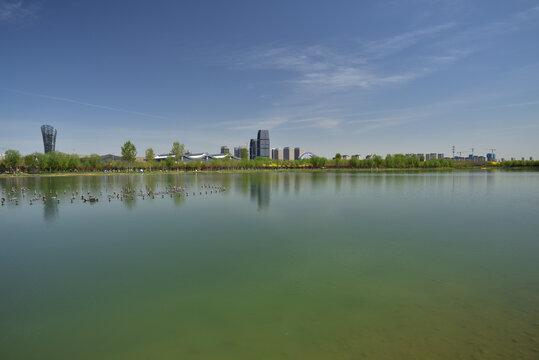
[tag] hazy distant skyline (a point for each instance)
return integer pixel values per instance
(343, 76)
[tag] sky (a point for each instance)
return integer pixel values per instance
(355, 77)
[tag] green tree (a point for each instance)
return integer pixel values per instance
(317, 162)
(129, 153)
(244, 153)
(12, 158)
(150, 155)
(177, 150)
(338, 156)
(30, 161)
(390, 161)
(169, 162)
(377, 160)
(73, 162)
(95, 161)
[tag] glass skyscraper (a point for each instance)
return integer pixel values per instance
(253, 149)
(263, 144)
(49, 138)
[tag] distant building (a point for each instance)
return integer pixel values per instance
(512, 159)
(263, 144)
(237, 151)
(491, 157)
(523, 159)
(105, 158)
(288, 153)
(419, 156)
(252, 148)
(49, 138)
(440, 156)
(277, 154)
(430, 156)
(357, 156)
(345, 157)
(297, 153)
(531, 158)
(225, 150)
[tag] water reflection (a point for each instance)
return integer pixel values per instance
(50, 210)
(260, 190)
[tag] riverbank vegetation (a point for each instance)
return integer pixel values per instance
(54, 162)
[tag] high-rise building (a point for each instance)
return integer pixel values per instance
(263, 144)
(49, 138)
(288, 153)
(277, 154)
(297, 153)
(225, 149)
(440, 156)
(237, 151)
(253, 145)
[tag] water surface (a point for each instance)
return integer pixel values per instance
(279, 266)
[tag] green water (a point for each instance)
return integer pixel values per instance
(278, 266)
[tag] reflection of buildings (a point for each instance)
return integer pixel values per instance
(260, 191)
(49, 138)
(50, 210)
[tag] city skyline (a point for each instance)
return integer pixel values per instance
(378, 77)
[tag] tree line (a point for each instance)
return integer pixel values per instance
(56, 161)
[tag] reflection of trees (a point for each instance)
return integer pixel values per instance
(318, 180)
(129, 192)
(243, 183)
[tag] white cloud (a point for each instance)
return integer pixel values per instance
(16, 10)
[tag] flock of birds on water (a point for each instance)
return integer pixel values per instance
(16, 196)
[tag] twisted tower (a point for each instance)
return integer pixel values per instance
(49, 138)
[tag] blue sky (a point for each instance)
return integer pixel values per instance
(355, 77)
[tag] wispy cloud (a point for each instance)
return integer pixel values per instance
(369, 64)
(104, 107)
(361, 125)
(384, 47)
(16, 10)
(322, 68)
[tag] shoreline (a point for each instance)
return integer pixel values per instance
(247, 171)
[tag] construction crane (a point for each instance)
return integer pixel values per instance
(491, 150)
